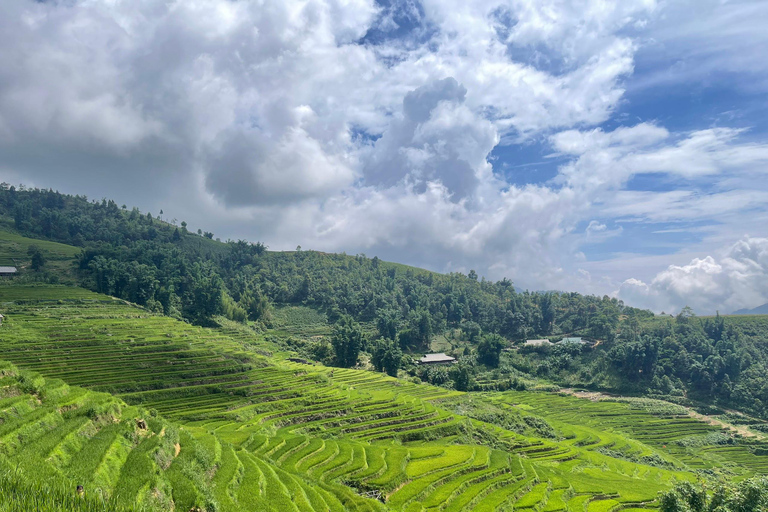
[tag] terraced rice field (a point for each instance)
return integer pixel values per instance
(257, 433)
(637, 433)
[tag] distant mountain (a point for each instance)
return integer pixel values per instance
(759, 310)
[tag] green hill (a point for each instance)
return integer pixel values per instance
(257, 432)
(191, 336)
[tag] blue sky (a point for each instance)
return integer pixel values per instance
(613, 148)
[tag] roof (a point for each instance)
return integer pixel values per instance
(7, 270)
(437, 358)
(567, 341)
(537, 343)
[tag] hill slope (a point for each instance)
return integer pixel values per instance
(759, 310)
(388, 309)
(261, 433)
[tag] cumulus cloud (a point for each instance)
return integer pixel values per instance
(357, 126)
(436, 138)
(739, 279)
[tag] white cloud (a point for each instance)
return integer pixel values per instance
(268, 120)
(695, 41)
(739, 279)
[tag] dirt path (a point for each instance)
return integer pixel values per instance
(596, 396)
(739, 429)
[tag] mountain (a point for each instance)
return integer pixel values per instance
(759, 310)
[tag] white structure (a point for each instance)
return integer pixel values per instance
(537, 343)
(572, 341)
(1, 319)
(8, 271)
(439, 358)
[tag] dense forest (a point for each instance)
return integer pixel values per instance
(388, 309)
(169, 269)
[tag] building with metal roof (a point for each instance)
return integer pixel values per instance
(8, 271)
(439, 358)
(572, 341)
(537, 343)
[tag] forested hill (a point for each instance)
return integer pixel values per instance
(169, 269)
(385, 308)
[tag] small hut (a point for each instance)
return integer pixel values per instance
(572, 341)
(1, 319)
(8, 271)
(439, 358)
(537, 343)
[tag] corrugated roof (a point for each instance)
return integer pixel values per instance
(436, 358)
(538, 342)
(7, 270)
(572, 340)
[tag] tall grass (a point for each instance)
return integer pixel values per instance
(22, 493)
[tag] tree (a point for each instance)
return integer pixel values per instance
(347, 340)
(255, 304)
(461, 374)
(489, 349)
(36, 255)
(471, 330)
(747, 496)
(386, 356)
(387, 323)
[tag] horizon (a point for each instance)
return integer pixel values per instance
(608, 149)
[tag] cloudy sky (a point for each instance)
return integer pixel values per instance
(603, 147)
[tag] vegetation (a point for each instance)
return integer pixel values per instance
(747, 496)
(168, 384)
(150, 262)
(258, 433)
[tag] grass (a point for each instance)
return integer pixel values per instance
(232, 428)
(60, 258)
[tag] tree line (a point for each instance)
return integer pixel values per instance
(189, 275)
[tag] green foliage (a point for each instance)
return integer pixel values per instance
(747, 496)
(386, 356)
(275, 434)
(258, 433)
(461, 375)
(37, 259)
(137, 257)
(347, 340)
(489, 349)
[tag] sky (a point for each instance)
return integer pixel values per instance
(615, 148)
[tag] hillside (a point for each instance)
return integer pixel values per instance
(193, 335)
(360, 310)
(759, 310)
(257, 432)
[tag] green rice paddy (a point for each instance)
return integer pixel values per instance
(226, 428)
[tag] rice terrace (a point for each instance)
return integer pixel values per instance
(106, 404)
(154, 369)
(100, 392)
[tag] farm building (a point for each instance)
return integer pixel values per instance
(537, 343)
(572, 341)
(7, 271)
(1, 319)
(439, 358)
